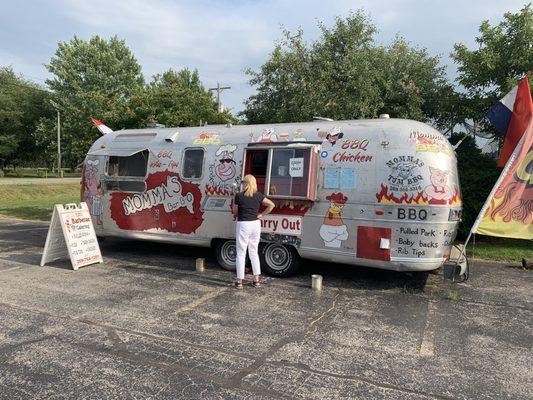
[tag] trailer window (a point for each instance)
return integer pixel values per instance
(286, 171)
(193, 163)
(289, 175)
(127, 173)
(134, 165)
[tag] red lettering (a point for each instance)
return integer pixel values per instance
(351, 157)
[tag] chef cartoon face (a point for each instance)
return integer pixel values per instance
(226, 166)
(334, 135)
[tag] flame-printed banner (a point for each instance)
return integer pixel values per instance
(508, 211)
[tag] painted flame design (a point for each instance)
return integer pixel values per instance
(290, 209)
(384, 197)
(216, 191)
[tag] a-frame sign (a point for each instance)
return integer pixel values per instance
(71, 234)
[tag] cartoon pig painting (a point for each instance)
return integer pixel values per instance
(438, 192)
(225, 168)
(93, 190)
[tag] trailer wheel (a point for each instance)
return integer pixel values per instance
(226, 252)
(279, 260)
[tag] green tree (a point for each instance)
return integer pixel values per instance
(343, 75)
(478, 174)
(177, 99)
(503, 56)
(21, 104)
(90, 78)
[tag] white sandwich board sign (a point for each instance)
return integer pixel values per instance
(71, 234)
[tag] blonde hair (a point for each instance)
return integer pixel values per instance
(249, 185)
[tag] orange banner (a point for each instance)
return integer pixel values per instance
(508, 211)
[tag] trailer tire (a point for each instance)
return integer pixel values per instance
(226, 252)
(279, 260)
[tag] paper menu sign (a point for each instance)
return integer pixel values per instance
(296, 167)
(348, 180)
(336, 178)
(331, 179)
(71, 234)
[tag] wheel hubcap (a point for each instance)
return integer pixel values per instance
(229, 252)
(277, 257)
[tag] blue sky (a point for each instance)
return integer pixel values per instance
(222, 38)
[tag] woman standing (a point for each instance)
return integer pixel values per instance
(246, 207)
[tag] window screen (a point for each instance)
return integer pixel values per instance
(193, 162)
(134, 165)
(289, 175)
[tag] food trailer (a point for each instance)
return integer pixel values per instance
(380, 193)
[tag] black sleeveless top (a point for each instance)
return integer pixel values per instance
(248, 207)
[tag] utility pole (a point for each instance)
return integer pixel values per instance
(219, 90)
(58, 145)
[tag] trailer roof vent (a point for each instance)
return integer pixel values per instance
(384, 116)
(154, 125)
(134, 137)
(171, 137)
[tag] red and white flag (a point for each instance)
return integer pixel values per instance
(510, 116)
(101, 127)
(508, 211)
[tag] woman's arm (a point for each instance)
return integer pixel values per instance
(269, 207)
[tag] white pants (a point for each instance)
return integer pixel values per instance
(248, 235)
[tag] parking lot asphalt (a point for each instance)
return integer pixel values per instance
(144, 325)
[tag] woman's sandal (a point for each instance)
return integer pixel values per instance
(238, 285)
(256, 284)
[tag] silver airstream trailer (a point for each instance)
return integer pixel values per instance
(380, 193)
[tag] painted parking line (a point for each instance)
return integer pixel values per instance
(427, 347)
(14, 229)
(9, 269)
(201, 300)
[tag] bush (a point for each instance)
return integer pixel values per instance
(1, 173)
(478, 174)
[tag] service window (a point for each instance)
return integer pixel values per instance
(287, 172)
(127, 173)
(193, 163)
(134, 165)
(256, 162)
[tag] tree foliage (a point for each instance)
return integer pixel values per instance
(344, 75)
(102, 78)
(503, 56)
(91, 78)
(177, 99)
(22, 103)
(478, 173)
